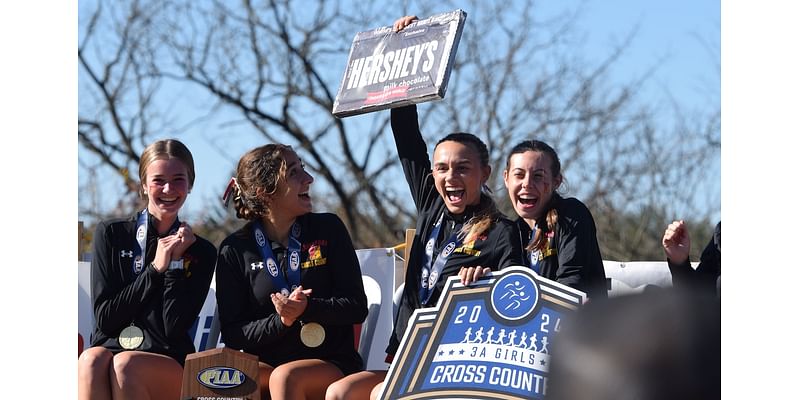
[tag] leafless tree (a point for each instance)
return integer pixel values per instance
(274, 67)
(117, 96)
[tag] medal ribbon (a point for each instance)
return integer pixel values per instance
(141, 238)
(535, 255)
(431, 274)
(291, 279)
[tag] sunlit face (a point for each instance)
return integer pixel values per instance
(530, 183)
(291, 198)
(167, 185)
(458, 175)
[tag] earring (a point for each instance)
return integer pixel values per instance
(145, 192)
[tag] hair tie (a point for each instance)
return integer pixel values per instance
(232, 185)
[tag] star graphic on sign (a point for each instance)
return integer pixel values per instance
(542, 362)
(461, 353)
(452, 352)
(441, 353)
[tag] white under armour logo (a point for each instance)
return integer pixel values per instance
(124, 253)
(258, 265)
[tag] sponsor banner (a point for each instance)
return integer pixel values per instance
(390, 69)
(484, 341)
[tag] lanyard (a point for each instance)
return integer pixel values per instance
(140, 253)
(430, 274)
(535, 255)
(291, 278)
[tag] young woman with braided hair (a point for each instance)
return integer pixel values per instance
(558, 234)
(289, 285)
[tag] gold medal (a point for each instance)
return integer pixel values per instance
(131, 337)
(312, 334)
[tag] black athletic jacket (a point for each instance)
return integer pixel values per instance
(329, 267)
(573, 256)
(163, 305)
(704, 278)
(496, 248)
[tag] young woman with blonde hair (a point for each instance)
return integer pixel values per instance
(150, 276)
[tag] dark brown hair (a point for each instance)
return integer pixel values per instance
(486, 212)
(257, 174)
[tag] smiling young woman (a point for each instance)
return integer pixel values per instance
(150, 276)
(558, 234)
(289, 285)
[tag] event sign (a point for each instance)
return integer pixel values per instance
(488, 340)
(390, 69)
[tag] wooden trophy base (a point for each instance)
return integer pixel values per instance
(221, 373)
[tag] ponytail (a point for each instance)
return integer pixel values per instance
(541, 236)
(485, 215)
(257, 175)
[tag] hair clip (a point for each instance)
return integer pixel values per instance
(226, 197)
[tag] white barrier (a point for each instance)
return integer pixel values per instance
(85, 313)
(635, 276)
(379, 264)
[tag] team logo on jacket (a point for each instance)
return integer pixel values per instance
(314, 252)
(272, 267)
(260, 238)
(124, 253)
(294, 261)
(424, 278)
(488, 340)
(221, 377)
(258, 265)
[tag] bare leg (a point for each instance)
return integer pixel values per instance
(264, 372)
(302, 379)
(93, 374)
(142, 375)
(355, 386)
(377, 390)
